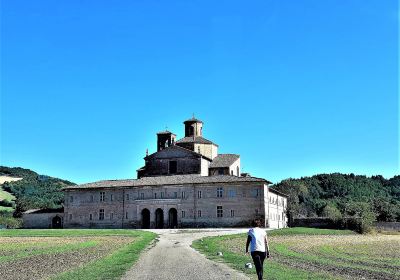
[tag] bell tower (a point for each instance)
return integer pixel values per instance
(193, 127)
(165, 139)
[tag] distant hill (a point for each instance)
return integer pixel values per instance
(338, 196)
(23, 189)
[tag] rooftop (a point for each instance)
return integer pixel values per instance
(192, 120)
(224, 160)
(195, 139)
(168, 180)
(166, 132)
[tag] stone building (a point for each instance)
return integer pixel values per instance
(185, 183)
(43, 218)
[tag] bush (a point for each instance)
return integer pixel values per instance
(332, 213)
(10, 222)
(7, 203)
(360, 216)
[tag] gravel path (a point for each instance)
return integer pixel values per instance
(173, 258)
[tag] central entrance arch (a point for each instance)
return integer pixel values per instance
(159, 218)
(145, 218)
(56, 222)
(173, 218)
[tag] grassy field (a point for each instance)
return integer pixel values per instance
(304, 253)
(69, 254)
(6, 196)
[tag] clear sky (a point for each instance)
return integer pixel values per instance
(295, 87)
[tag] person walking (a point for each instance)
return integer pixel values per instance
(259, 248)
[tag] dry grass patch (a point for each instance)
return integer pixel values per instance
(325, 256)
(39, 257)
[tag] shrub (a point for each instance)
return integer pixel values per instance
(331, 212)
(7, 203)
(10, 222)
(360, 216)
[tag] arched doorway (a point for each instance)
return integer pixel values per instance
(173, 218)
(145, 218)
(159, 218)
(56, 222)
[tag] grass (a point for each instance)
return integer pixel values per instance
(50, 250)
(6, 209)
(6, 195)
(306, 253)
(112, 261)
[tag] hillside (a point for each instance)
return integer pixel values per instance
(338, 196)
(23, 189)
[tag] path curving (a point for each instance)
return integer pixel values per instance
(172, 258)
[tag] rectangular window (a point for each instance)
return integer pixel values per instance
(70, 217)
(183, 214)
(232, 213)
(91, 198)
(102, 196)
(90, 217)
(183, 195)
(126, 215)
(199, 213)
(127, 196)
(173, 167)
(71, 199)
(101, 214)
(111, 216)
(162, 195)
(111, 197)
(175, 194)
(155, 195)
(220, 192)
(142, 196)
(232, 193)
(220, 212)
(199, 194)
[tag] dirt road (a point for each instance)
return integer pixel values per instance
(173, 258)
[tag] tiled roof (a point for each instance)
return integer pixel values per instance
(193, 120)
(166, 132)
(169, 180)
(224, 160)
(47, 210)
(195, 139)
(278, 192)
(177, 147)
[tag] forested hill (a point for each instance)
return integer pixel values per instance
(33, 190)
(343, 195)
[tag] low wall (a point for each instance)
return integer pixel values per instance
(315, 223)
(389, 226)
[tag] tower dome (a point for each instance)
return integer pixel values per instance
(193, 127)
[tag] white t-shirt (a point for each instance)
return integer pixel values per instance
(257, 239)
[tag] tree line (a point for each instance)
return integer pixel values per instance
(34, 191)
(346, 199)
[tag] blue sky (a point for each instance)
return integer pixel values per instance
(295, 87)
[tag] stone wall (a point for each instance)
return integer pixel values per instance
(207, 150)
(195, 205)
(39, 220)
(276, 214)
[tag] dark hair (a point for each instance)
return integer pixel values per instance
(256, 223)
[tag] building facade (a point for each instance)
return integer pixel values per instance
(185, 183)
